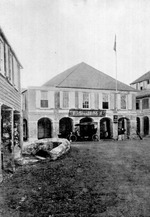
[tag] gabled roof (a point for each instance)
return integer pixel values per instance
(83, 76)
(144, 77)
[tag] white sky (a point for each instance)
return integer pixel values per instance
(50, 36)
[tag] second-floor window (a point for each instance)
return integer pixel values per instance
(44, 99)
(137, 104)
(145, 103)
(65, 99)
(1, 57)
(105, 102)
(85, 100)
(57, 100)
(123, 101)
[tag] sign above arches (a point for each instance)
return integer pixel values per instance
(87, 113)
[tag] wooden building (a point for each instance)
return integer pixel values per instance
(10, 104)
(142, 85)
(79, 96)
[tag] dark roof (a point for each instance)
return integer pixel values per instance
(144, 77)
(4, 37)
(86, 77)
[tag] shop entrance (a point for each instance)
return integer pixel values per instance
(138, 127)
(87, 129)
(65, 127)
(44, 128)
(146, 125)
(124, 124)
(105, 128)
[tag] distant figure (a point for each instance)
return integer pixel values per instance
(122, 133)
(119, 133)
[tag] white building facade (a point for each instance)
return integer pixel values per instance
(57, 107)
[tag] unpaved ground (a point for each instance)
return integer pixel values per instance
(94, 179)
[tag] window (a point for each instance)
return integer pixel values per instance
(147, 81)
(65, 99)
(137, 104)
(145, 103)
(10, 58)
(44, 99)
(141, 88)
(105, 103)
(85, 100)
(1, 57)
(57, 99)
(123, 101)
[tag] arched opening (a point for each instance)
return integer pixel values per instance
(65, 127)
(124, 123)
(146, 125)
(106, 131)
(138, 126)
(87, 128)
(44, 128)
(25, 131)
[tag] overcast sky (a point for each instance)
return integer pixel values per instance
(50, 36)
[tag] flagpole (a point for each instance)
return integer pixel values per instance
(116, 71)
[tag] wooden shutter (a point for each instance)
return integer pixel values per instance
(100, 100)
(57, 99)
(76, 99)
(96, 100)
(134, 102)
(92, 100)
(72, 100)
(38, 99)
(80, 99)
(61, 99)
(129, 101)
(51, 99)
(112, 101)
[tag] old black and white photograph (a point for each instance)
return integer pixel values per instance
(74, 108)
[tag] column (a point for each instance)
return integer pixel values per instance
(21, 131)
(12, 138)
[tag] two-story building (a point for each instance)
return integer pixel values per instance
(80, 94)
(10, 104)
(142, 84)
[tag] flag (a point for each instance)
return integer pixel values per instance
(115, 44)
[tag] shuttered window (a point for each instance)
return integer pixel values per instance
(1, 57)
(105, 102)
(65, 99)
(137, 104)
(145, 103)
(44, 99)
(76, 100)
(10, 57)
(57, 100)
(123, 101)
(85, 100)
